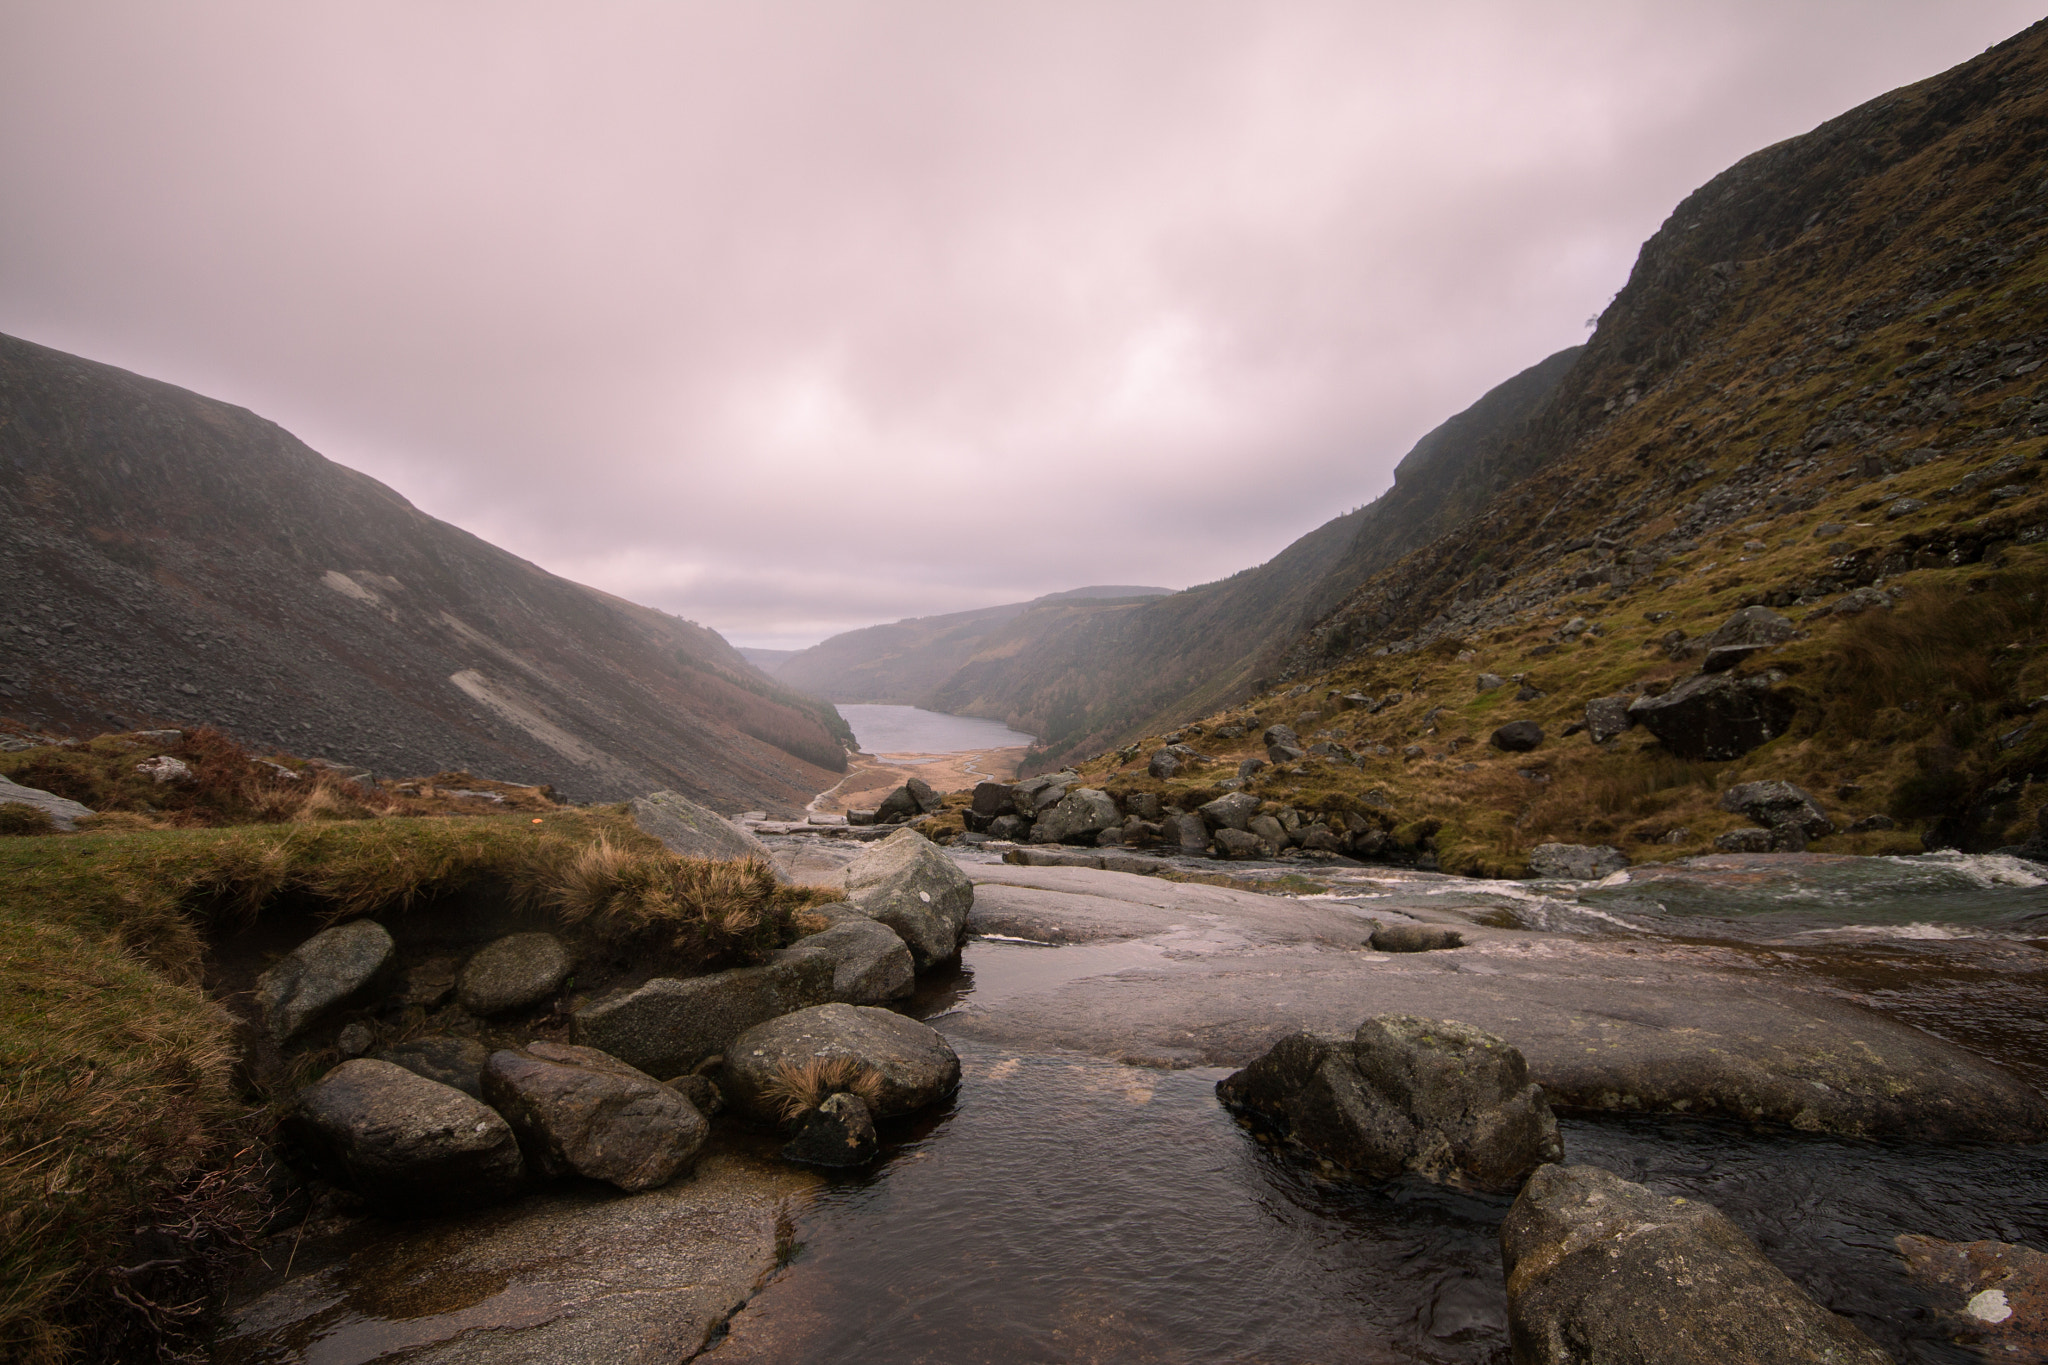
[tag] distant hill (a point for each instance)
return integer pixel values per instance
(767, 660)
(175, 560)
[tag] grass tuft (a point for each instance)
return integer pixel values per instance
(798, 1087)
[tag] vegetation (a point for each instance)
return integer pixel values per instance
(798, 1087)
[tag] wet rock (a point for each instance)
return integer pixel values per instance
(1164, 764)
(1576, 862)
(1229, 812)
(1079, 816)
(513, 973)
(576, 1110)
(1517, 736)
(1712, 717)
(1414, 938)
(1607, 717)
(319, 974)
(906, 883)
(667, 1026)
(696, 831)
(445, 1058)
(408, 1145)
(1240, 844)
(870, 963)
(912, 1064)
(64, 813)
(839, 1132)
(1600, 1269)
(1436, 1097)
(1994, 1295)
(1779, 805)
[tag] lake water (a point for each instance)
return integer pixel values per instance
(913, 730)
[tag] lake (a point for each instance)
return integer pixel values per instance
(913, 730)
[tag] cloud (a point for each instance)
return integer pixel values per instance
(794, 318)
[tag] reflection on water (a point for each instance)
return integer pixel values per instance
(910, 730)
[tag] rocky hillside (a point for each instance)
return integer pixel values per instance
(175, 560)
(1781, 520)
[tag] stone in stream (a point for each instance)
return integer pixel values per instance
(319, 974)
(1601, 1269)
(695, 831)
(667, 1026)
(1576, 862)
(445, 1058)
(839, 1132)
(512, 973)
(1992, 1294)
(408, 1145)
(913, 1064)
(870, 964)
(906, 883)
(580, 1111)
(1442, 1099)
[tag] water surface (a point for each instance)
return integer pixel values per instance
(912, 730)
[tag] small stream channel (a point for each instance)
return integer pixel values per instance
(1066, 1208)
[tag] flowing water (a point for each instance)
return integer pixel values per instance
(911, 730)
(1066, 1208)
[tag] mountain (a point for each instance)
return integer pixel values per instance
(175, 560)
(767, 660)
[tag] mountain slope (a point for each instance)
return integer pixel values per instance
(174, 559)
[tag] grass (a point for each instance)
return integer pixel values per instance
(798, 1087)
(123, 1141)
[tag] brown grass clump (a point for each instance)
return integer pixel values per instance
(20, 818)
(798, 1087)
(659, 903)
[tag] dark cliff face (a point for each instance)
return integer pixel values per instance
(177, 560)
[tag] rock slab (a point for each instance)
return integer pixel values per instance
(1601, 1269)
(576, 1110)
(914, 1064)
(321, 973)
(1994, 1294)
(513, 973)
(667, 1026)
(408, 1145)
(63, 812)
(696, 831)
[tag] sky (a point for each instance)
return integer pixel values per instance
(793, 316)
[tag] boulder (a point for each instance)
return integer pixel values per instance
(898, 807)
(696, 831)
(1607, 717)
(1488, 682)
(1144, 805)
(1442, 1099)
(1164, 764)
(1576, 862)
(408, 1145)
(1187, 829)
(906, 883)
(445, 1058)
(990, 800)
(701, 1091)
(1024, 794)
(513, 973)
(1601, 1269)
(64, 813)
(1414, 938)
(666, 1026)
(1249, 766)
(913, 1065)
(1517, 736)
(1240, 844)
(1079, 816)
(1320, 839)
(1712, 717)
(1271, 831)
(928, 801)
(870, 964)
(319, 974)
(1229, 812)
(1751, 628)
(1779, 805)
(579, 1111)
(166, 770)
(1009, 827)
(1993, 1294)
(1747, 841)
(1722, 658)
(839, 1132)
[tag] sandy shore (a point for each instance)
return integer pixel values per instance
(873, 776)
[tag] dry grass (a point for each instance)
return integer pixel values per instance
(798, 1087)
(657, 903)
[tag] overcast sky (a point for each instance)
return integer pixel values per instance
(792, 316)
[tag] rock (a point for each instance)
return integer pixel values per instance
(1144, 805)
(1779, 805)
(1436, 1097)
(694, 831)
(1353, 701)
(907, 884)
(1517, 736)
(1712, 717)
(870, 964)
(1488, 682)
(898, 807)
(319, 974)
(1025, 794)
(1871, 823)
(1084, 811)
(1240, 844)
(1283, 753)
(1751, 627)
(1828, 530)
(408, 1145)
(1745, 841)
(1414, 938)
(1857, 602)
(1600, 1269)
(576, 1110)
(928, 801)
(1249, 767)
(1165, 763)
(1013, 827)
(1576, 862)
(355, 1039)
(1280, 734)
(165, 769)
(442, 1057)
(1229, 812)
(64, 813)
(1187, 829)
(1269, 830)
(1903, 507)
(1607, 717)
(860, 817)
(1722, 658)
(1993, 1294)
(665, 1026)
(513, 973)
(1320, 839)
(991, 801)
(913, 1065)
(839, 1132)
(701, 1091)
